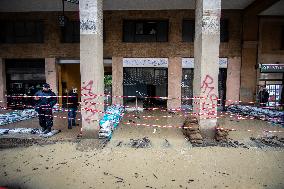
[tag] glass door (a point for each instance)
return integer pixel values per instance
(274, 94)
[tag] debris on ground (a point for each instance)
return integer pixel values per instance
(273, 141)
(23, 142)
(227, 144)
(17, 115)
(166, 143)
(140, 143)
(271, 115)
(191, 130)
(221, 135)
(119, 144)
(33, 131)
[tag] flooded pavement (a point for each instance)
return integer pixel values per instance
(168, 160)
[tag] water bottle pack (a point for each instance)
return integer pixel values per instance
(110, 121)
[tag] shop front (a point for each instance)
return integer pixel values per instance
(271, 77)
(187, 80)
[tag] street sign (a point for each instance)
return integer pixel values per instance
(271, 68)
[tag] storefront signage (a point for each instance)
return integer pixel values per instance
(189, 62)
(271, 68)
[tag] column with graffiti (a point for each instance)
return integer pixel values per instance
(206, 69)
(91, 65)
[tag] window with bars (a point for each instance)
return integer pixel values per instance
(71, 32)
(145, 31)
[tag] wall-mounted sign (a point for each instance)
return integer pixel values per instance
(72, 1)
(189, 62)
(145, 62)
(271, 68)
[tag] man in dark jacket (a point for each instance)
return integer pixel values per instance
(72, 107)
(45, 100)
(263, 96)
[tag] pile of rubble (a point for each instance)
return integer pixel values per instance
(33, 131)
(110, 121)
(271, 141)
(140, 143)
(191, 130)
(222, 135)
(270, 115)
(18, 115)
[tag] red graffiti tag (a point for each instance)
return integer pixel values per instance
(88, 101)
(207, 88)
(206, 84)
(87, 89)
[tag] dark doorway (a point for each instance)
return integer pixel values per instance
(146, 83)
(187, 86)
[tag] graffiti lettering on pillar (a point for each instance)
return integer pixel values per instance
(91, 17)
(88, 100)
(207, 88)
(210, 24)
(87, 25)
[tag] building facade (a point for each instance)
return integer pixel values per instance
(148, 49)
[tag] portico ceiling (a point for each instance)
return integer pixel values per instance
(56, 5)
(275, 10)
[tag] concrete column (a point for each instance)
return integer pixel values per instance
(233, 80)
(117, 79)
(174, 82)
(248, 71)
(206, 68)
(51, 74)
(91, 65)
(3, 102)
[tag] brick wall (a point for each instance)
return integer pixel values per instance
(270, 48)
(52, 47)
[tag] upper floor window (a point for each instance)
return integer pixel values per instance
(188, 30)
(71, 32)
(22, 32)
(224, 30)
(145, 31)
(282, 38)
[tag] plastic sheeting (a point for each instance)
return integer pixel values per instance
(110, 121)
(16, 116)
(270, 115)
(34, 131)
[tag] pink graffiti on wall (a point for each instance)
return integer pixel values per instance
(88, 100)
(208, 89)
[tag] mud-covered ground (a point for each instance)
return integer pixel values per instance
(169, 161)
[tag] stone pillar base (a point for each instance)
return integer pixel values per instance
(208, 128)
(90, 134)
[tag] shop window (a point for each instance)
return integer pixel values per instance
(22, 32)
(188, 30)
(71, 32)
(145, 31)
